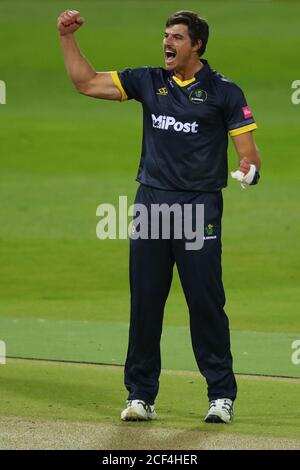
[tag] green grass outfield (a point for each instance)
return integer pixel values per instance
(62, 154)
(254, 352)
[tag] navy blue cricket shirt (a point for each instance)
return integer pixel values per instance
(186, 126)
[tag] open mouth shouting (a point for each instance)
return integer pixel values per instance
(170, 55)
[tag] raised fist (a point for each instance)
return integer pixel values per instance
(69, 21)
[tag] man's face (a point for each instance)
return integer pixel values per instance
(178, 47)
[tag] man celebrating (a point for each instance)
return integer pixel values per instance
(188, 111)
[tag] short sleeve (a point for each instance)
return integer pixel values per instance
(238, 115)
(130, 83)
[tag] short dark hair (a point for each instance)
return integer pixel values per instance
(197, 27)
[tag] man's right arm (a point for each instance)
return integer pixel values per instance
(86, 80)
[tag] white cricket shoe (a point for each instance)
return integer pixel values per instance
(220, 411)
(138, 410)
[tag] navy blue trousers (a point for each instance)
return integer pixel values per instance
(200, 272)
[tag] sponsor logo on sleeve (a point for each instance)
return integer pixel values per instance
(247, 112)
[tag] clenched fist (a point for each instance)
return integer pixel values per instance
(69, 21)
(244, 165)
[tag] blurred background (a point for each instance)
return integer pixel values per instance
(64, 294)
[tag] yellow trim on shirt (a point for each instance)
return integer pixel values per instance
(241, 130)
(183, 83)
(117, 82)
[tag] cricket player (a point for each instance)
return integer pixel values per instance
(188, 112)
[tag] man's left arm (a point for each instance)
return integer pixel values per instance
(248, 154)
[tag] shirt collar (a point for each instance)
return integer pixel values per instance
(197, 77)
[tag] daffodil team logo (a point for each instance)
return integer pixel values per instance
(209, 229)
(198, 96)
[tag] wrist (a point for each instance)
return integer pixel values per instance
(66, 36)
